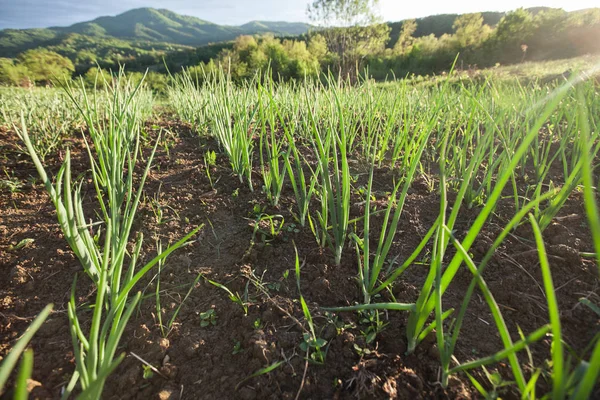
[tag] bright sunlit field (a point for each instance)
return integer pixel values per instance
(434, 238)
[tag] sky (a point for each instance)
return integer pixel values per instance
(45, 13)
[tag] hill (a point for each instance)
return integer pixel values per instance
(441, 24)
(143, 25)
(152, 38)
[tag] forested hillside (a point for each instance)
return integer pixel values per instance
(161, 41)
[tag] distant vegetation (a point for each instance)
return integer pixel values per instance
(144, 28)
(161, 40)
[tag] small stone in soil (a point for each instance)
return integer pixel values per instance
(166, 394)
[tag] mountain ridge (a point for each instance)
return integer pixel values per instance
(147, 35)
(145, 24)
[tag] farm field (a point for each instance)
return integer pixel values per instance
(314, 240)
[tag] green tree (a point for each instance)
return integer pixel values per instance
(277, 56)
(13, 74)
(244, 45)
(302, 63)
(406, 39)
(85, 57)
(549, 38)
(290, 59)
(584, 17)
(317, 46)
(230, 61)
(511, 36)
(581, 33)
(247, 51)
(469, 30)
(44, 65)
(352, 30)
(345, 13)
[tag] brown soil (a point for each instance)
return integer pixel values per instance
(199, 362)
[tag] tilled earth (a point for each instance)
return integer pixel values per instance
(212, 362)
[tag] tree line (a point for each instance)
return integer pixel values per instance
(362, 43)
